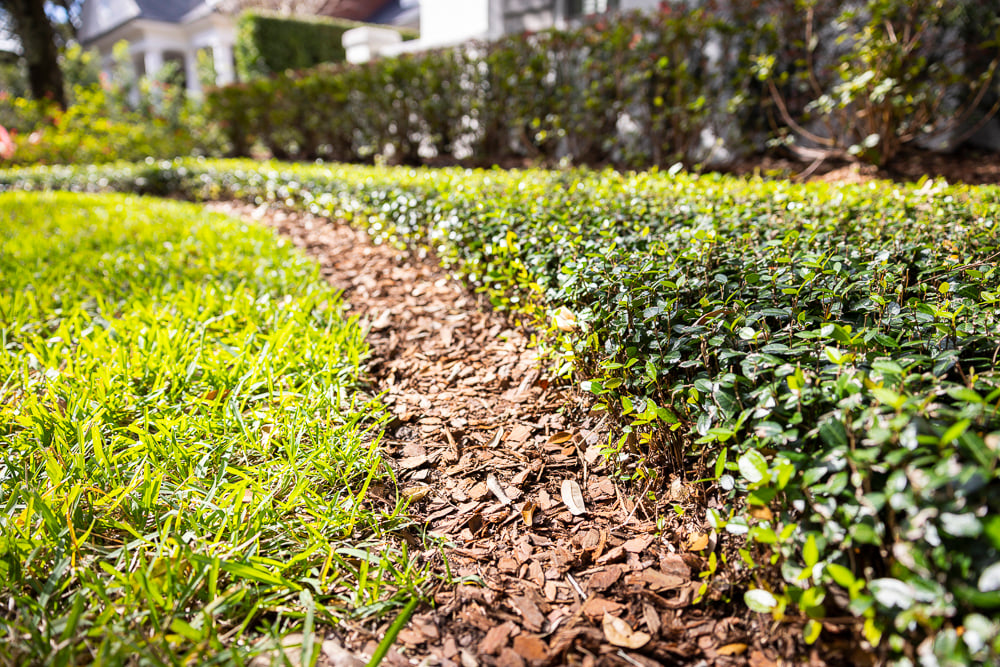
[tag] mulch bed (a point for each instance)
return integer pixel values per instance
(484, 444)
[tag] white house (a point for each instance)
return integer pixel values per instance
(158, 31)
(451, 22)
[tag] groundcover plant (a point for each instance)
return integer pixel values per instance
(186, 446)
(821, 358)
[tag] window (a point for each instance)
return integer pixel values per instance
(577, 8)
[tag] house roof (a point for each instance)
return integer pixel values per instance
(169, 11)
(397, 12)
(354, 10)
(100, 17)
(386, 12)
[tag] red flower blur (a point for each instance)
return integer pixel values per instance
(7, 146)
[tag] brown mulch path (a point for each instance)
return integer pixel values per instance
(484, 443)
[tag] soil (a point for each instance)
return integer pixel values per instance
(548, 556)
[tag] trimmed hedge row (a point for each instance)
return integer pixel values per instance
(693, 83)
(822, 356)
(543, 96)
(267, 43)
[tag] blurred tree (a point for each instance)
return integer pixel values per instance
(41, 27)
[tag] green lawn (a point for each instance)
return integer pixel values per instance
(187, 449)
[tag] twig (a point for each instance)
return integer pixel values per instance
(638, 502)
(787, 117)
(629, 659)
(962, 267)
(576, 586)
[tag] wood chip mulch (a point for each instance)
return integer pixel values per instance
(484, 444)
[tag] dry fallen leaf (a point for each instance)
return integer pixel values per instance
(528, 512)
(572, 497)
(697, 542)
(559, 438)
(565, 320)
(620, 633)
(762, 513)
(416, 493)
(732, 649)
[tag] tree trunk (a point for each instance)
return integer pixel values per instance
(33, 27)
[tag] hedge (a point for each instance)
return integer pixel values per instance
(536, 96)
(704, 83)
(820, 358)
(268, 43)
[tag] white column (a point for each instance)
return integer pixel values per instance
(191, 72)
(560, 14)
(495, 21)
(153, 62)
(222, 55)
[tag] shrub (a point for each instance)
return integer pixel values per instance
(93, 131)
(881, 75)
(269, 43)
(118, 118)
(676, 85)
(545, 96)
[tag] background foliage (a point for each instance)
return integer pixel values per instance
(690, 83)
(866, 80)
(269, 43)
(702, 85)
(121, 117)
